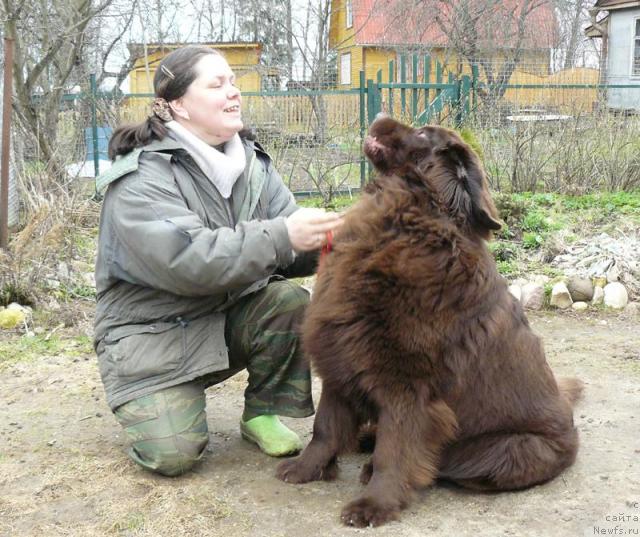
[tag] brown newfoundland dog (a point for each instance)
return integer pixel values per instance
(416, 337)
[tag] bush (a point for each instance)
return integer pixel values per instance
(579, 156)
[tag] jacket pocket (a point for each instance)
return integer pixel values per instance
(143, 351)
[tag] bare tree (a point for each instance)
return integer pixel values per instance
(492, 35)
(49, 36)
(477, 30)
(572, 17)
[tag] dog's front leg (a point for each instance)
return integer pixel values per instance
(334, 431)
(411, 433)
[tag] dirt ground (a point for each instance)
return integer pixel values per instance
(63, 468)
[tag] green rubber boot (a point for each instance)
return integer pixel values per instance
(272, 436)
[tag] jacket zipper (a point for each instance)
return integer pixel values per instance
(183, 323)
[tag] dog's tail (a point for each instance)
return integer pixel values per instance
(571, 388)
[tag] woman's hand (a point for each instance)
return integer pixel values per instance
(308, 228)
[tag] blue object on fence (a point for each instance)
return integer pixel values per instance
(104, 134)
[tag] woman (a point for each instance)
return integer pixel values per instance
(197, 235)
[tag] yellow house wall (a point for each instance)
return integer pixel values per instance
(340, 36)
(243, 61)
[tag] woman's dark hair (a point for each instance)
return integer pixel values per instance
(181, 64)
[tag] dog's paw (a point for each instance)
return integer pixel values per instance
(367, 512)
(296, 471)
(366, 473)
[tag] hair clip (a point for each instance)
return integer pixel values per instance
(166, 71)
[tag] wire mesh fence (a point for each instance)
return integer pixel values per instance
(536, 129)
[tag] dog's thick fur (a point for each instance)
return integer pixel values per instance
(411, 328)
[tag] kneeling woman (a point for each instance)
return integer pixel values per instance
(197, 235)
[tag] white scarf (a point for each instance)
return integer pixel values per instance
(222, 169)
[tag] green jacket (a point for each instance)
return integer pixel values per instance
(173, 254)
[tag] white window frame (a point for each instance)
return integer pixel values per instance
(345, 69)
(349, 13)
(634, 38)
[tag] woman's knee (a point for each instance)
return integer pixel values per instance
(170, 456)
(283, 303)
(283, 296)
(167, 430)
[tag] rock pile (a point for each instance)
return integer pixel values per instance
(574, 292)
(604, 259)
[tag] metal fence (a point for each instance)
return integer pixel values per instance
(315, 136)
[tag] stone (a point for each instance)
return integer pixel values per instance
(580, 306)
(89, 279)
(598, 296)
(560, 296)
(18, 307)
(615, 295)
(581, 289)
(516, 291)
(540, 279)
(63, 271)
(533, 296)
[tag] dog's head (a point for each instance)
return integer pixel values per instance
(439, 160)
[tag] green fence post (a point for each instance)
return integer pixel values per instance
(363, 96)
(379, 91)
(372, 110)
(403, 80)
(392, 78)
(414, 91)
(455, 100)
(465, 96)
(475, 73)
(426, 77)
(437, 108)
(94, 125)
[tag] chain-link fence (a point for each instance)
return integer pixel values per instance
(536, 129)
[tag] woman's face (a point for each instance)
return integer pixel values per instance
(211, 106)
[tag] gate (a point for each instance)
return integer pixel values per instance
(419, 96)
(425, 98)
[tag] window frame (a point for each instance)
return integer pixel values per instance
(348, 14)
(342, 68)
(635, 38)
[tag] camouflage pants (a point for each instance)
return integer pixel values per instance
(168, 429)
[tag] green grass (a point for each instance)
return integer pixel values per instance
(532, 240)
(508, 268)
(32, 348)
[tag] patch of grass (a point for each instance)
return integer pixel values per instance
(132, 522)
(503, 250)
(70, 292)
(532, 240)
(508, 268)
(14, 291)
(472, 140)
(536, 221)
(624, 201)
(32, 348)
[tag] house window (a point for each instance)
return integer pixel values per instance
(349, 13)
(345, 68)
(635, 66)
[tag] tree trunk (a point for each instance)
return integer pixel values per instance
(574, 34)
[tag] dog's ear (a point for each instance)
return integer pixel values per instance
(466, 193)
